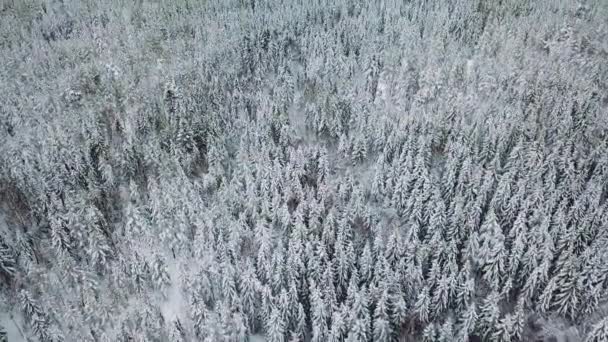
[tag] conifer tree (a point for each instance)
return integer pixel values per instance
(599, 331)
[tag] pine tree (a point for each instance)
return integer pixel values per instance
(518, 246)
(446, 331)
(381, 322)
(160, 275)
(504, 331)
(300, 329)
(275, 326)
(248, 289)
(489, 314)
(37, 319)
(567, 296)
(422, 305)
(465, 289)
(599, 331)
(360, 319)
(7, 261)
(492, 251)
(399, 308)
(441, 298)
(176, 332)
(366, 263)
(338, 326)
(319, 314)
(378, 186)
(467, 322)
(430, 333)
(359, 148)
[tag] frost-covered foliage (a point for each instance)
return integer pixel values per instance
(332, 170)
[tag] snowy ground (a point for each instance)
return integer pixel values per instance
(174, 304)
(12, 330)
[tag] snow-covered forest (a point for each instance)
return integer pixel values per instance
(303, 170)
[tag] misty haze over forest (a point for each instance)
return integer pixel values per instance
(303, 170)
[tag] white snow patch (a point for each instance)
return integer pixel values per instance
(257, 338)
(13, 333)
(174, 304)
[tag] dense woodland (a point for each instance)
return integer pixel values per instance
(304, 170)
